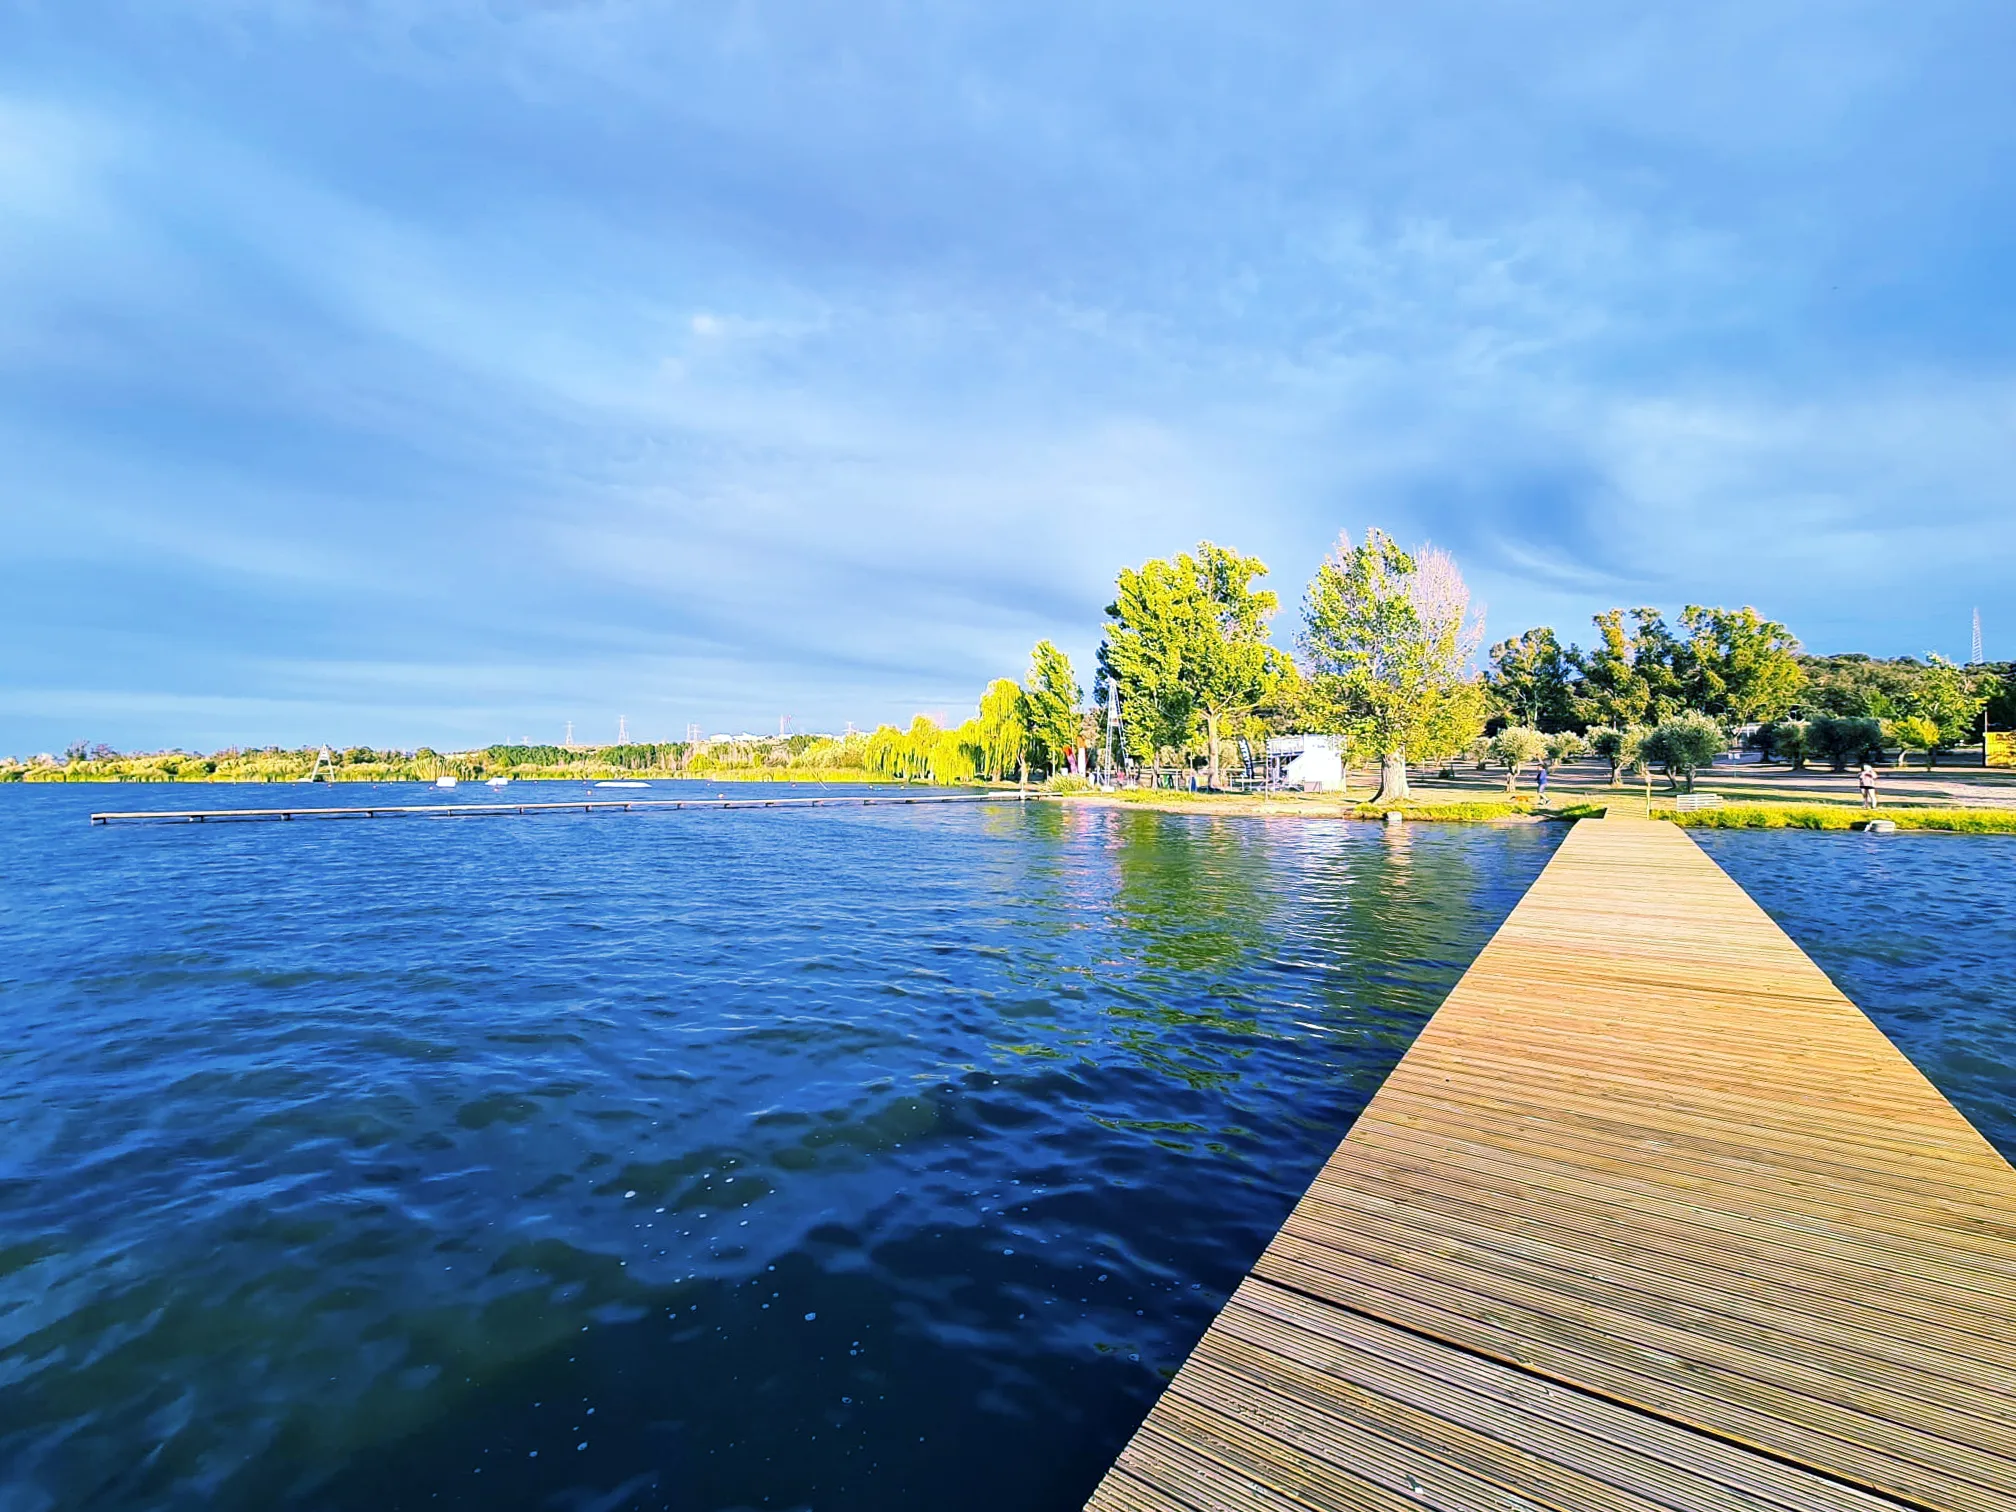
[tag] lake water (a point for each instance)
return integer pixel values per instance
(873, 1158)
(847, 1158)
(1920, 930)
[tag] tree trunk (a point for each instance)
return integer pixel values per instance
(1211, 737)
(1511, 779)
(1393, 779)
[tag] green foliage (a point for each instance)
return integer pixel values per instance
(1683, 745)
(1840, 741)
(1565, 745)
(1532, 680)
(1051, 696)
(1515, 747)
(1738, 665)
(1628, 677)
(1186, 651)
(1388, 637)
(1858, 687)
(1915, 732)
(1820, 816)
(1004, 730)
(1786, 740)
(927, 752)
(1949, 697)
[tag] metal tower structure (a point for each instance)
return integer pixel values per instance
(1977, 658)
(622, 730)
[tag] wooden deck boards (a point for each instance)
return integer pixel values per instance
(1650, 1215)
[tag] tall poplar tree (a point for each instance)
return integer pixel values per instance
(1051, 695)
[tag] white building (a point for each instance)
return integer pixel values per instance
(1313, 763)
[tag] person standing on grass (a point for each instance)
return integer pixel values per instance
(1540, 782)
(1868, 781)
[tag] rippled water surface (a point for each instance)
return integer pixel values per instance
(874, 1158)
(1920, 930)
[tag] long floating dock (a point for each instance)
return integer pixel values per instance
(1650, 1216)
(506, 807)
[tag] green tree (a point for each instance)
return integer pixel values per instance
(1947, 696)
(1565, 745)
(1915, 732)
(1532, 680)
(1186, 644)
(1516, 747)
(1683, 745)
(1839, 741)
(1624, 749)
(1050, 698)
(1786, 740)
(1141, 657)
(1388, 637)
(1635, 674)
(1231, 667)
(1003, 735)
(1741, 667)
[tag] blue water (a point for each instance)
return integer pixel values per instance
(1920, 930)
(856, 1158)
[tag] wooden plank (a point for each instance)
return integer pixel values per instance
(1650, 1215)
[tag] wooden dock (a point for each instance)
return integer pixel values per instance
(1651, 1215)
(505, 807)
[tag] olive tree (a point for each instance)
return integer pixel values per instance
(1841, 741)
(1621, 748)
(1388, 636)
(1517, 746)
(1683, 745)
(1565, 745)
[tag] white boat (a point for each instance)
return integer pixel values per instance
(623, 784)
(498, 782)
(444, 782)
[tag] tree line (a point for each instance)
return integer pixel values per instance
(1383, 659)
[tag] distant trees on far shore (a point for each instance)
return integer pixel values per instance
(1383, 663)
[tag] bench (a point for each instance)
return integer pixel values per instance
(1688, 802)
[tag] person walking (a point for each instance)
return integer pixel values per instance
(1540, 782)
(1867, 778)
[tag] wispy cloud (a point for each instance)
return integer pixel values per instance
(486, 364)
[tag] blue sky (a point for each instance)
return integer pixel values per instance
(395, 371)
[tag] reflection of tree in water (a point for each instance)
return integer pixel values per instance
(1196, 905)
(1196, 897)
(1393, 917)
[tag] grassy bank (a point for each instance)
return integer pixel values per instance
(1825, 816)
(1330, 806)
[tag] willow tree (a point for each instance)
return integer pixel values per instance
(1186, 645)
(1050, 698)
(1388, 636)
(1003, 730)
